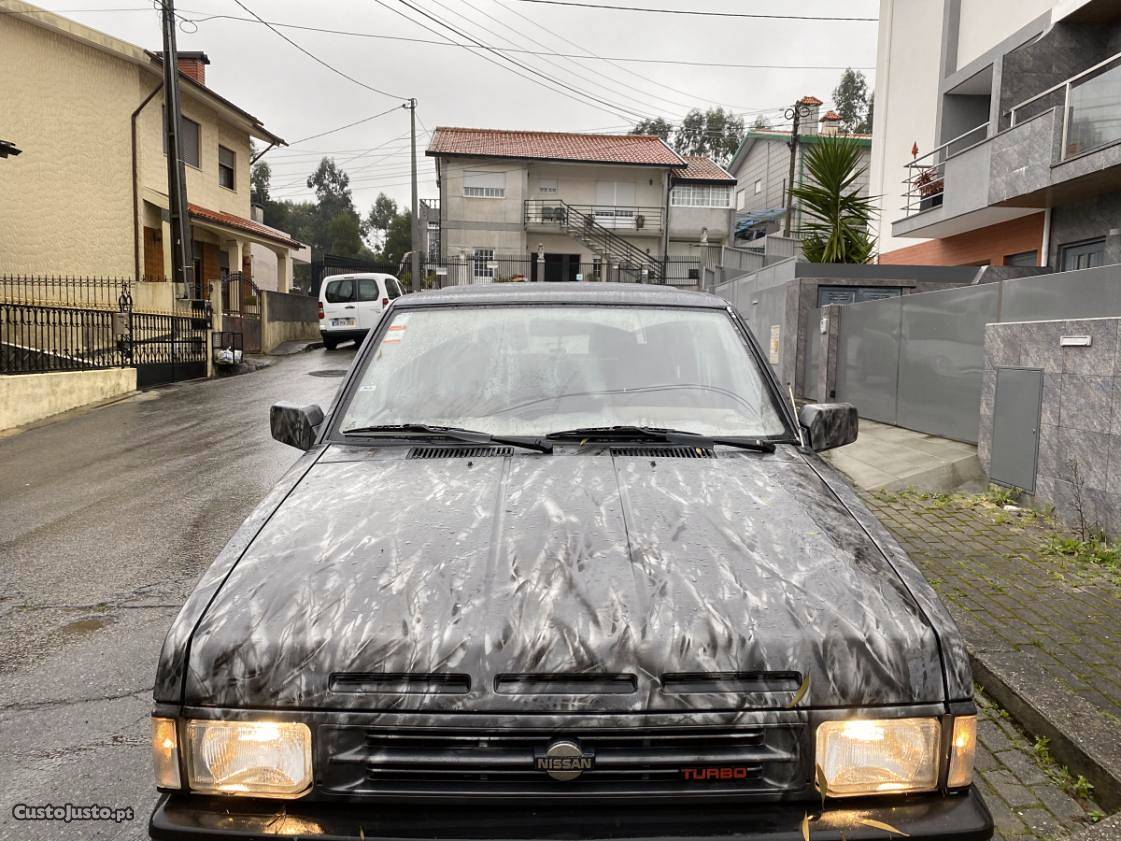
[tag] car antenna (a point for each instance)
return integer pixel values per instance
(797, 424)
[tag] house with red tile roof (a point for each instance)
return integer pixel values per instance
(573, 206)
(88, 194)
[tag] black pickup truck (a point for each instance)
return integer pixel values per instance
(561, 561)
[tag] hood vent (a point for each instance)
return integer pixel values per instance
(389, 683)
(663, 452)
(738, 683)
(460, 452)
(562, 684)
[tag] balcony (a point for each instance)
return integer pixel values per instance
(545, 215)
(1061, 145)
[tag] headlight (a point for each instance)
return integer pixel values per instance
(255, 758)
(878, 756)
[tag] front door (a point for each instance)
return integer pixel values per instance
(561, 267)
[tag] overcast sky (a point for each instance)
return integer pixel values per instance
(296, 97)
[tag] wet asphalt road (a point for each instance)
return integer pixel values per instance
(107, 519)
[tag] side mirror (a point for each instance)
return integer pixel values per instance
(829, 425)
(295, 425)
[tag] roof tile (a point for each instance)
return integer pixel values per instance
(637, 149)
(701, 168)
(232, 221)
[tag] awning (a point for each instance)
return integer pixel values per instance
(746, 221)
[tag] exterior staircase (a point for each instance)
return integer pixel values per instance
(624, 260)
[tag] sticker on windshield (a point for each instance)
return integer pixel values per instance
(393, 334)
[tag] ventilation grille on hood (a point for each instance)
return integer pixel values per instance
(459, 452)
(562, 684)
(740, 683)
(664, 452)
(389, 683)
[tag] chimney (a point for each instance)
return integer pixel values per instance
(831, 123)
(193, 63)
(810, 107)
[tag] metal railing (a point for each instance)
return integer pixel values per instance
(527, 268)
(67, 291)
(633, 218)
(926, 175)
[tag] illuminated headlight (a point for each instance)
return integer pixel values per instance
(165, 752)
(878, 756)
(252, 758)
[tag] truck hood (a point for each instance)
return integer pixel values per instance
(568, 582)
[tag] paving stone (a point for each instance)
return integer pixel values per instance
(1021, 764)
(1010, 789)
(1059, 803)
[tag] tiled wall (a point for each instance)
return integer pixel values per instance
(1080, 423)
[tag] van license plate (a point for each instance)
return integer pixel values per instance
(342, 322)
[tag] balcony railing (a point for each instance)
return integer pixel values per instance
(1091, 107)
(926, 175)
(549, 213)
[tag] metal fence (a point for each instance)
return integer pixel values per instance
(521, 268)
(56, 323)
(917, 361)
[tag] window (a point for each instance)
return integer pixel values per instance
(188, 140)
(547, 185)
(367, 289)
(392, 289)
(484, 185)
(482, 257)
(741, 199)
(533, 370)
(1082, 255)
(758, 186)
(339, 291)
(227, 161)
(701, 195)
(1024, 258)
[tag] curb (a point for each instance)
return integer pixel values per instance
(1107, 830)
(1080, 736)
(947, 476)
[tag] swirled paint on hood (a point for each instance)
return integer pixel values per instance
(581, 563)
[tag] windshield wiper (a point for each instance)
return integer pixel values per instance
(661, 435)
(451, 433)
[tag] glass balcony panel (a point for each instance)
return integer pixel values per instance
(1094, 112)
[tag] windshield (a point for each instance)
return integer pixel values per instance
(519, 370)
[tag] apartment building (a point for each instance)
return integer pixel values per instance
(567, 206)
(998, 132)
(761, 167)
(88, 194)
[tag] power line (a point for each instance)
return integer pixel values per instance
(610, 110)
(348, 125)
(699, 12)
(518, 51)
(316, 58)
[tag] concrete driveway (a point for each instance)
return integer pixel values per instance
(107, 519)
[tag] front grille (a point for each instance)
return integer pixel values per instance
(762, 761)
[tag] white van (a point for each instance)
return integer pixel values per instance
(351, 304)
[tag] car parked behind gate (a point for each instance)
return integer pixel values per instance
(351, 305)
(562, 562)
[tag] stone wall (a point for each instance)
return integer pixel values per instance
(1080, 421)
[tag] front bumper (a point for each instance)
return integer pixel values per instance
(960, 817)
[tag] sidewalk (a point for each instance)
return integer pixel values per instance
(894, 458)
(1043, 628)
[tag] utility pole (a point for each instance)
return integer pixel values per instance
(416, 208)
(182, 260)
(796, 113)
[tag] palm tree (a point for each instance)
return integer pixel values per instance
(838, 217)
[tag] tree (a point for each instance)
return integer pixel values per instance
(837, 230)
(656, 126)
(865, 126)
(850, 98)
(761, 123)
(260, 178)
(398, 239)
(380, 216)
(332, 185)
(715, 132)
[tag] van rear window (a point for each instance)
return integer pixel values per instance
(339, 291)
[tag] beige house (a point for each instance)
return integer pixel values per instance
(88, 194)
(564, 206)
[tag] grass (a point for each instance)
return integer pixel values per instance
(1096, 550)
(1077, 787)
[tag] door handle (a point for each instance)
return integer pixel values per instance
(349, 307)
